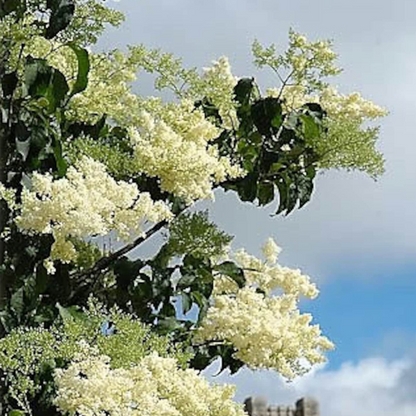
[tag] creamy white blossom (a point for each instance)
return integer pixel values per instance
(173, 144)
(218, 84)
(154, 387)
(86, 202)
(349, 142)
(9, 196)
(334, 103)
(271, 251)
(267, 330)
(268, 275)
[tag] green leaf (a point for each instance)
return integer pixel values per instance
(203, 303)
(249, 150)
(95, 131)
(206, 354)
(17, 302)
(292, 198)
(265, 193)
(315, 109)
(126, 271)
(21, 131)
(168, 310)
(247, 187)
(83, 68)
(305, 188)
(62, 12)
(9, 83)
(162, 258)
(23, 148)
(202, 358)
(42, 280)
(7, 320)
(230, 269)
(70, 313)
(283, 194)
(61, 163)
(12, 6)
(186, 280)
(63, 312)
(41, 80)
(167, 325)
(227, 352)
(243, 90)
(16, 413)
(37, 76)
(267, 115)
(57, 90)
(311, 129)
(199, 273)
(186, 303)
(210, 111)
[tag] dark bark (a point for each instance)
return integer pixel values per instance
(5, 124)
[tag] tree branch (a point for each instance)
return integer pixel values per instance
(4, 130)
(3, 213)
(105, 262)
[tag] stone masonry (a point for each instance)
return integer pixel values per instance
(257, 406)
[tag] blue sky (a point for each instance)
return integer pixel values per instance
(359, 315)
(357, 237)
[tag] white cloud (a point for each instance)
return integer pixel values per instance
(372, 387)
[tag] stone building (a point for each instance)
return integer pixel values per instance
(258, 406)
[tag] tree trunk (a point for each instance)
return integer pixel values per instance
(4, 133)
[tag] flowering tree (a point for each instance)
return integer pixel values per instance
(91, 330)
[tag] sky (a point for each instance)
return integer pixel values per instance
(356, 237)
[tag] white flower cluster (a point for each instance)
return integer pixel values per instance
(303, 63)
(268, 275)
(9, 196)
(266, 331)
(218, 84)
(352, 106)
(87, 202)
(154, 387)
(350, 142)
(173, 144)
(171, 141)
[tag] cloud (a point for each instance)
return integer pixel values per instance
(351, 220)
(372, 387)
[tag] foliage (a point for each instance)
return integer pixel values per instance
(29, 356)
(193, 233)
(349, 143)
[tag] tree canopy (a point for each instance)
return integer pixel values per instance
(92, 330)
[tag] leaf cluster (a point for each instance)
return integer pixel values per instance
(276, 149)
